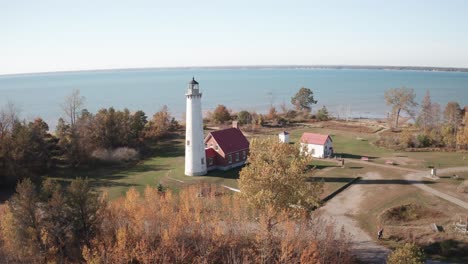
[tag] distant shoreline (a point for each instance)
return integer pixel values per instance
(256, 67)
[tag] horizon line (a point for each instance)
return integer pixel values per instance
(279, 66)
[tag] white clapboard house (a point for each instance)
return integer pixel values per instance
(317, 145)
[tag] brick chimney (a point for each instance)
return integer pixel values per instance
(235, 124)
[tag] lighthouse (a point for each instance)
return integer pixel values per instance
(195, 160)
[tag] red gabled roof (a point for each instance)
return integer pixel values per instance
(312, 138)
(210, 153)
(229, 140)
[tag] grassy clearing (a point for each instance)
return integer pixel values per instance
(166, 166)
(354, 145)
(167, 162)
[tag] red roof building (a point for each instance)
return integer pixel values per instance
(226, 148)
(316, 139)
(317, 145)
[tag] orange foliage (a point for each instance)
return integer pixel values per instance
(203, 224)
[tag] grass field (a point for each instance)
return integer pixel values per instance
(166, 166)
(354, 145)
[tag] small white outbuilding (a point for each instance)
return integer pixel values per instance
(317, 145)
(284, 137)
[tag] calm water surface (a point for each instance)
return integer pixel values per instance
(362, 91)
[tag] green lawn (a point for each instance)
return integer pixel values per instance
(353, 145)
(166, 166)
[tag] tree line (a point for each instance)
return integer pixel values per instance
(433, 127)
(29, 149)
(302, 103)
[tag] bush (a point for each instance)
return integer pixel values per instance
(322, 114)
(244, 117)
(407, 254)
(291, 114)
(423, 141)
(117, 155)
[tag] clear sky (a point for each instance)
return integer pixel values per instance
(46, 35)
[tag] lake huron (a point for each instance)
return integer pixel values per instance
(359, 93)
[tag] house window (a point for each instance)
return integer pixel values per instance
(216, 147)
(229, 158)
(312, 151)
(210, 161)
(244, 154)
(188, 142)
(202, 161)
(206, 145)
(237, 156)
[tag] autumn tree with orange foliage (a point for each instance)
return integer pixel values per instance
(199, 224)
(277, 175)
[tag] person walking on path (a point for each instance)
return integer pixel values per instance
(380, 233)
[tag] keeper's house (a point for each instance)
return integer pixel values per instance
(226, 148)
(317, 145)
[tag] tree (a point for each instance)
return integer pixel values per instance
(453, 114)
(272, 114)
(8, 117)
(453, 120)
(401, 99)
(83, 210)
(462, 135)
(72, 106)
(27, 219)
(160, 124)
(303, 99)
(221, 114)
(429, 117)
(137, 124)
(322, 114)
(276, 176)
(244, 117)
(407, 254)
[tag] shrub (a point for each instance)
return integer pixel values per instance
(423, 141)
(117, 155)
(322, 114)
(244, 117)
(407, 254)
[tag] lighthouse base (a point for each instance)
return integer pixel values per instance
(201, 173)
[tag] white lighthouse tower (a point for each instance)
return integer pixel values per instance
(195, 160)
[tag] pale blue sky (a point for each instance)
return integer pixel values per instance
(46, 35)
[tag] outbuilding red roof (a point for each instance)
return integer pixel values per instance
(312, 138)
(210, 153)
(229, 139)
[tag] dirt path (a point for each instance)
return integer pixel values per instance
(417, 176)
(340, 210)
(416, 179)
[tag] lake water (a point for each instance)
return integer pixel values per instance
(360, 91)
